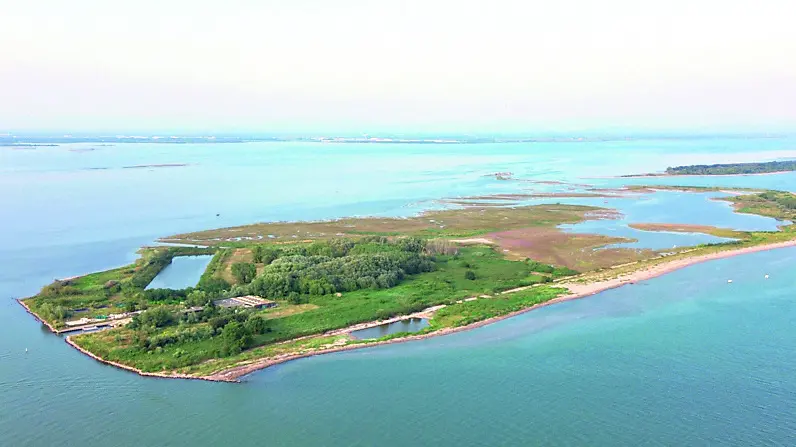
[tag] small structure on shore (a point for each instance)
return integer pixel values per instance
(246, 301)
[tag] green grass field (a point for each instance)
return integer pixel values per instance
(445, 285)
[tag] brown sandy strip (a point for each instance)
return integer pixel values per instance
(233, 374)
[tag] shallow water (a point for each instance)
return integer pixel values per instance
(684, 359)
(184, 271)
(409, 325)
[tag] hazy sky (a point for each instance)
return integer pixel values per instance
(360, 65)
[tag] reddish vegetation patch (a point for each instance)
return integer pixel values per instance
(552, 246)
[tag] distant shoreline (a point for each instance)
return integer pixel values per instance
(701, 175)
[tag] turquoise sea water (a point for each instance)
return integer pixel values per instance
(684, 359)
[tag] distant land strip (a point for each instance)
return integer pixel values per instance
(771, 167)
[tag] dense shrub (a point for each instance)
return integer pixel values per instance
(322, 274)
(244, 272)
(156, 317)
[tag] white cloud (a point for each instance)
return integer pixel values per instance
(303, 63)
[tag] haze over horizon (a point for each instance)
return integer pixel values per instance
(416, 66)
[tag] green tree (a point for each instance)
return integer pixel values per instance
(236, 338)
(244, 272)
(265, 255)
(197, 298)
(156, 317)
(256, 325)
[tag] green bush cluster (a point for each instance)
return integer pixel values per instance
(235, 330)
(244, 272)
(340, 265)
(783, 199)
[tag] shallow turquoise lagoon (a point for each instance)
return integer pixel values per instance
(671, 207)
(685, 359)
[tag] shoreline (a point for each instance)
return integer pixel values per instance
(578, 291)
(701, 175)
(41, 320)
(233, 374)
(71, 343)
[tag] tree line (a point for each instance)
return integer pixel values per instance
(733, 168)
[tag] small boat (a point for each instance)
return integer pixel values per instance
(729, 281)
(766, 276)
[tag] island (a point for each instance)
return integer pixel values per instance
(760, 168)
(274, 292)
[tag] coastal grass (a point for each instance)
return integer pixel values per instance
(87, 296)
(777, 204)
(448, 223)
(293, 347)
(469, 312)
(111, 291)
(451, 316)
(445, 285)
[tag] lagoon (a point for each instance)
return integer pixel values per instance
(408, 325)
(684, 359)
(184, 271)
